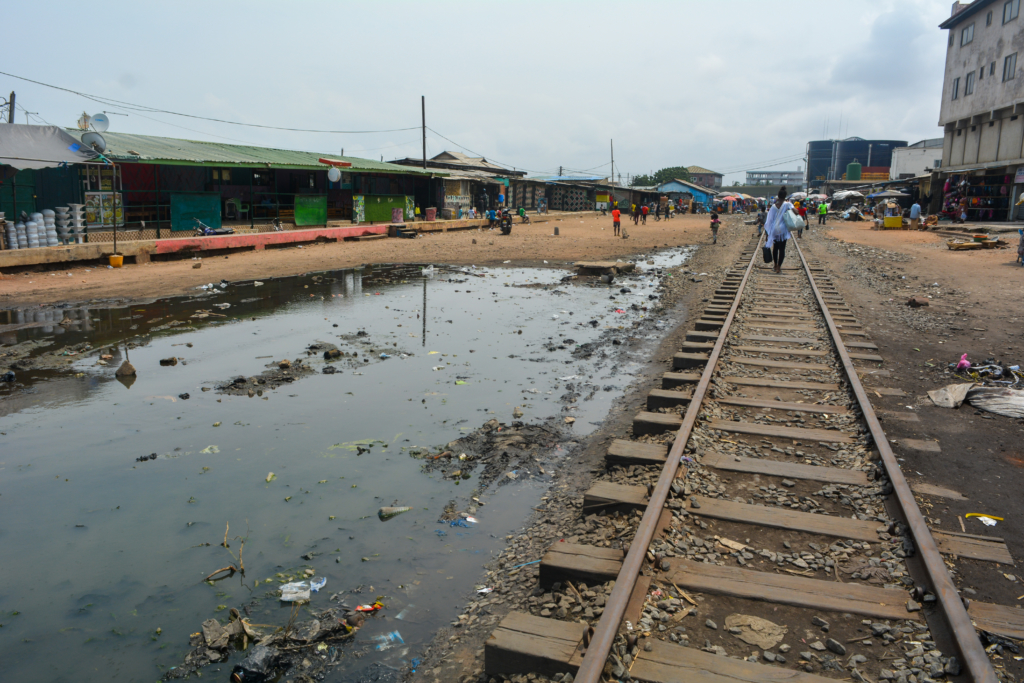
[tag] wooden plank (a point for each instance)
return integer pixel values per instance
(791, 470)
(655, 423)
(832, 596)
(666, 398)
(698, 346)
(798, 433)
(784, 518)
(851, 333)
(783, 340)
(779, 384)
(927, 489)
(920, 445)
(793, 328)
(622, 452)
(669, 663)
(974, 548)
(770, 404)
(867, 356)
(605, 494)
(523, 643)
(787, 364)
(585, 563)
(780, 351)
(886, 391)
(999, 619)
(685, 361)
(636, 599)
(872, 372)
(675, 379)
(699, 335)
(861, 345)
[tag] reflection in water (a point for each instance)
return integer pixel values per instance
(102, 549)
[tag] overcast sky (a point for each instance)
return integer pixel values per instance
(729, 85)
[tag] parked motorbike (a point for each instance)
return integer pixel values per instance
(506, 222)
(204, 230)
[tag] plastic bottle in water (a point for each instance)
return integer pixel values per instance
(389, 640)
(256, 667)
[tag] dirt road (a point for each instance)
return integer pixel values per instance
(585, 236)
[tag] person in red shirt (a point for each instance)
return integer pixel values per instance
(803, 214)
(643, 214)
(616, 215)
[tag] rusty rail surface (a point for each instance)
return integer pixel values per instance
(969, 645)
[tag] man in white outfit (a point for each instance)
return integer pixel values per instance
(775, 230)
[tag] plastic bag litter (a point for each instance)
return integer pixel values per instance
(316, 584)
(297, 591)
(756, 631)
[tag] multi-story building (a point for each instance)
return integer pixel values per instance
(982, 166)
(793, 180)
(705, 177)
(827, 160)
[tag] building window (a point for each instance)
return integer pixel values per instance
(969, 84)
(967, 35)
(992, 69)
(959, 131)
(956, 87)
(1010, 10)
(1010, 67)
(981, 73)
(988, 19)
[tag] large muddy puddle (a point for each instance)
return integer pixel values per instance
(114, 495)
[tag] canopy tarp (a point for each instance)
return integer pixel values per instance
(888, 194)
(24, 146)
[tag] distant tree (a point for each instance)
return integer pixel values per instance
(735, 183)
(662, 176)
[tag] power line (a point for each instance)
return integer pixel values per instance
(483, 155)
(138, 107)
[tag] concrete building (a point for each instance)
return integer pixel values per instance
(920, 158)
(705, 177)
(827, 160)
(793, 180)
(982, 166)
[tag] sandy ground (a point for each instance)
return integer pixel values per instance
(584, 236)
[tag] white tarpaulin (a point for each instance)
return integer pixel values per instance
(998, 400)
(24, 146)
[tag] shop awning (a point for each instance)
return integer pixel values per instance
(25, 146)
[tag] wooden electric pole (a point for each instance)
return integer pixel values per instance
(423, 111)
(10, 109)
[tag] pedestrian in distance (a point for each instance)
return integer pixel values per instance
(657, 212)
(1020, 246)
(616, 223)
(822, 213)
(803, 215)
(492, 216)
(915, 216)
(644, 210)
(761, 216)
(714, 228)
(776, 232)
(636, 215)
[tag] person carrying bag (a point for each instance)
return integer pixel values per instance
(781, 219)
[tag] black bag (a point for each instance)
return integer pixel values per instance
(766, 252)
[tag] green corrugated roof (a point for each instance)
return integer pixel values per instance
(131, 147)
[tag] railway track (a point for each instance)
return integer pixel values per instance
(758, 508)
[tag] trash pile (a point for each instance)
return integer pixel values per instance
(312, 646)
(852, 214)
(990, 389)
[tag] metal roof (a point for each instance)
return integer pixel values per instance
(966, 12)
(701, 169)
(150, 148)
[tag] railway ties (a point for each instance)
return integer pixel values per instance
(752, 486)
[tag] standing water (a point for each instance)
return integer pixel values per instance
(115, 494)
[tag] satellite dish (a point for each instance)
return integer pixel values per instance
(100, 123)
(333, 174)
(96, 141)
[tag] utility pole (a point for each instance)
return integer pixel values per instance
(27, 113)
(559, 171)
(423, 110)
(613, 160)
(10, 109)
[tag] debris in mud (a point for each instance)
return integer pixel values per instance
(500, 449)
(312, 646)
(169, 361)
(126, 370)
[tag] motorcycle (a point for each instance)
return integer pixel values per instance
(204, 230)
(505, 222)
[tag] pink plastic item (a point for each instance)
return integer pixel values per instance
(964, 364)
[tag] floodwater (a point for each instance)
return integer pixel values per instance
(100, 550)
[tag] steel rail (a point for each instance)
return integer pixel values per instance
(971, 651)
(604, 633)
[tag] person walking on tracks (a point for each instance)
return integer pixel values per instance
(776, 232)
